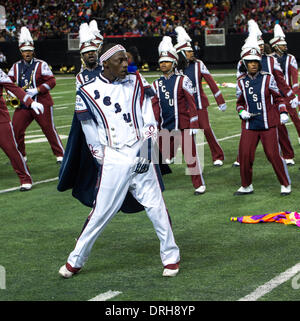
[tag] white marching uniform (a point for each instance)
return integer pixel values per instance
(122, 119)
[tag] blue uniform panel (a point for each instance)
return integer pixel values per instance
(166, 97)
(282, 61)
(264, 64)
(25, 72)
(253, 89)
(90, 74)
(190, 72)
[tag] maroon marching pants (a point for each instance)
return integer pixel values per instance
(168, 145)
(9, 146)
(248, 144)
(286, 147)
(22, 118)
(215, 148)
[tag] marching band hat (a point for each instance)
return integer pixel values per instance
(86, 39)
(25, 40)
(166, 50)
(279, 36)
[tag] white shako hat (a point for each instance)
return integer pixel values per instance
(25, 40)
(166, 50)
(279, 36)
(251, 50)
(86, 39)
(183, 40)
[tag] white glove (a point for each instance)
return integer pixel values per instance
(37, 107)
(294, 102)
(142, 165)
(222, 107)
(193, 131)
(32, 92)
(245, 115)
(284, 118)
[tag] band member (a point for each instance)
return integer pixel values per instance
(175, 110)
(7, 138)
(117, 119)
(89, 56)
(36, 77)
(258, 99)
(197, 72)
(289, 66)
(271, 65)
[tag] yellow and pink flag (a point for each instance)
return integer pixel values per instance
(286, 218)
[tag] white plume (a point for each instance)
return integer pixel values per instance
(25, 35)
(85, 34)
(166, 44)
(278, 32)
(251, 42)
(182, 35)
(94, 29)
(253, 27)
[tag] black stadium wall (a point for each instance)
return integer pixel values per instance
(56, 53)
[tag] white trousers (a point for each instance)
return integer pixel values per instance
(116, 179)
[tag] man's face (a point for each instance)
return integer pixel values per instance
(189, 55)
(282, 48)
(90, 58)
(166, 66)
(252, 67)
(116, 66)
(27, 55)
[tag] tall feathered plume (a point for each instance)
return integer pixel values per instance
(165, 45)
(278, 32)
(25, 36)
(85, 34)
(94, 29)
(182, 35)
(253, 28)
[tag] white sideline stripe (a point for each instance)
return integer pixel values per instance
(272, 284)
(36, 183)
(106, 296)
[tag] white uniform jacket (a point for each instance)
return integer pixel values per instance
(119, 112)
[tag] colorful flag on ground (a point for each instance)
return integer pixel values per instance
(279, 217)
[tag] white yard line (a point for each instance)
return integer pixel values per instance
(272, 284)
(106, 296)
(63, 92)
(36, 183)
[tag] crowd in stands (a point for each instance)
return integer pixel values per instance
(47, 19)
(51, 19)
(266, 13)
(55, 19)
(160, 17)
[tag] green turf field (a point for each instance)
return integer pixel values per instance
(220, 260)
